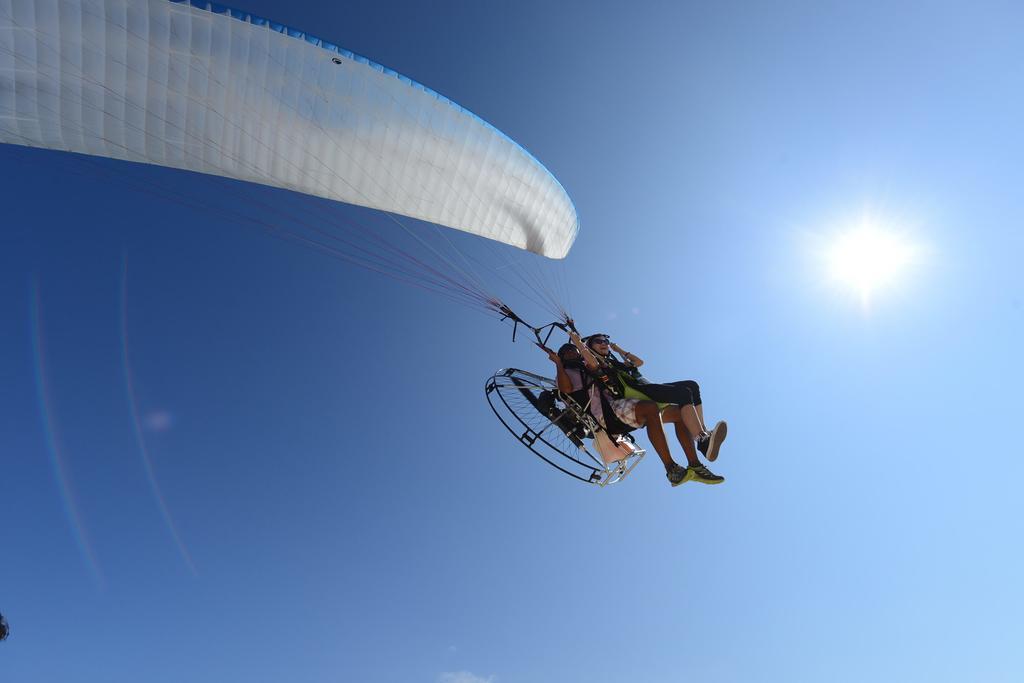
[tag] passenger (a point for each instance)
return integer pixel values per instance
(688, 413)
(619, 414)
(574, 380)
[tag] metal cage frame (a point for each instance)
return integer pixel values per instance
(565, 441)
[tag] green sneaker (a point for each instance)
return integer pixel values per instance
(704, 475)
(679, 475)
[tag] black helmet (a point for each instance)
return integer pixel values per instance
(565, 348)
(570, 362)
(5, 630)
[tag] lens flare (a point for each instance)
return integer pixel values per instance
(58, 462)
(137, 428)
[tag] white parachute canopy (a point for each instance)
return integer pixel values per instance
(218, 91)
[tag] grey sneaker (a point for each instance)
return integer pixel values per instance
(679, 475)
(715, 439)
(702, 442)
(704, 475)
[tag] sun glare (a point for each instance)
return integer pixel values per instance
(868, 258)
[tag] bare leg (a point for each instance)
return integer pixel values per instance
(691, 418)
(647, 414)
(677, 416)
(700, 417)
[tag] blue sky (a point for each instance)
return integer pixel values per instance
(348, 508)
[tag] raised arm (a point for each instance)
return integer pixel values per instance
(564, 383)
(636, 361)
(588, 356)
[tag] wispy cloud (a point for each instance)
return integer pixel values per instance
(464, 677)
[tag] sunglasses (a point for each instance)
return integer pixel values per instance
(600, 340)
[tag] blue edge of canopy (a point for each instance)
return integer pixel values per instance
(331, 47)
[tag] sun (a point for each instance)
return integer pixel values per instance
(868, 258)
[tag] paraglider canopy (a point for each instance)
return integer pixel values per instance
(197, 86)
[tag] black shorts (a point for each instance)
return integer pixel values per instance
(684, 393)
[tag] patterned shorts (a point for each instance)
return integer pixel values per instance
(625, 410)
